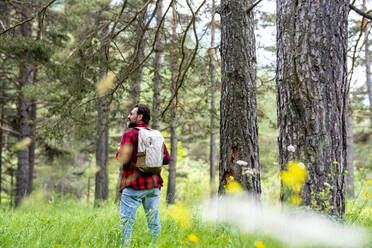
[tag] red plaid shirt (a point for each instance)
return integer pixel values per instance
(131, 177)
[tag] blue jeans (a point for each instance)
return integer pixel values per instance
(131, 199)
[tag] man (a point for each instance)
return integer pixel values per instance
(138, 188)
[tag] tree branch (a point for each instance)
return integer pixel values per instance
(365, 15)
(29, 19)
(252, 6)
(192, 22)
(9, 130)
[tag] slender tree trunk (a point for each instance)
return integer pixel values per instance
(31, 158)
(11, 187)
(368, 67)
(349, 151)
(311, 83)
(238, 108)
(136, 79)
(1, 148)
(212, 71)
(25, 116)
(102, 147)
(171, 190)
(157, 68)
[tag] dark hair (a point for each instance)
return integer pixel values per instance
(145, 112)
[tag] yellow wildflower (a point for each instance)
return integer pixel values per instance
(193, 238)
(231, 178)
(361, 168)
(259, 244)
(329, 175)
(180, 214)
(296, 200)
(346, 171)
(335, 162)
(295, 176)
(369, 181)
(233, 187)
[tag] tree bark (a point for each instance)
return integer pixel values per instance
(102, 147)
(31, 156)
(238, 107)
(171, 189)
(156, 107)
(26, 77)
(311, 83)
(212, 71)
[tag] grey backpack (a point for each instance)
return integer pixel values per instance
(150, 151)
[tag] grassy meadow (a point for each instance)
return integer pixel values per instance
(44, 221)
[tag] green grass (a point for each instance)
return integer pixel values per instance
(39, 223)
(74, 224)
(46, 221)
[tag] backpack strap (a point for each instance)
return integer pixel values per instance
(139, 128)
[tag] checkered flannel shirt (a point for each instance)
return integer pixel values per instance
(131, 177)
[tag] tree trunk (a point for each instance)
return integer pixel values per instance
(25, 116)
(311, 95)
(171, 190)
(156, 107)
(349, 151)
(368, 68)
(136, 80)
(102, 147)
(238, 108)
(1, 147)
(212, 71)
(31, 158)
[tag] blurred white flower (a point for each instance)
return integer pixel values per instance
(241, 163)
(291, 148)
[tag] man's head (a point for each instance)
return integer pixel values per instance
(140, 114)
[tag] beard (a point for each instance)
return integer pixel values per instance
(131, 124)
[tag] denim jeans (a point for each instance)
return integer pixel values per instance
(131, 199)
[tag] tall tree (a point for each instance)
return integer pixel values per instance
(26, 78)
(212, 71)
(171, 189)
(156, 103)
(238, 107)
(311, 83)
(367, 55)
(102, 147)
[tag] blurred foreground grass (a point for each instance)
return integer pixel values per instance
(41, 223)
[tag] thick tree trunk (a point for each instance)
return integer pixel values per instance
(25, 115)
(156, 107)
(238, 117)
(212, 71)
(311, 95)
(171, 190)
(136, 80)
(349, 151)
(102, 147)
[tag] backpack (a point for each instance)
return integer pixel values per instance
(150, 151)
